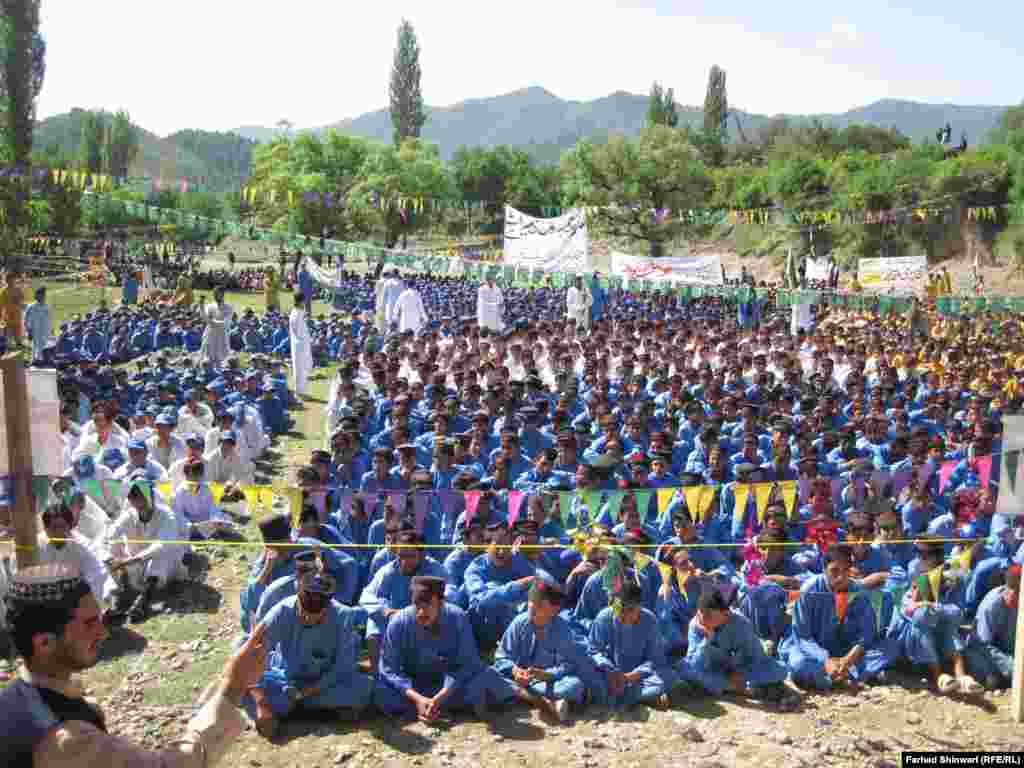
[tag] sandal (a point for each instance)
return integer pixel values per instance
(946, 684)
(969, 686)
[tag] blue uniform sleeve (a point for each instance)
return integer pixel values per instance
(390, 666)
(601, 642)
(469, 663)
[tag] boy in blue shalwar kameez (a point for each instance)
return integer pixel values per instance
(834, 627)
(429, 659)
(724, 653)
(541, 660)
(312, 664)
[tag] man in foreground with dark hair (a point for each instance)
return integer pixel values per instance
(725, 654)
(44, 720)
(429, 660)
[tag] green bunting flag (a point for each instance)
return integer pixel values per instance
(589, 499)
(565, 508)
(1010, 476)
(615, 505)
(643, 499)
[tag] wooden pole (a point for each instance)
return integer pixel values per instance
(19, 450)
(1018, 669)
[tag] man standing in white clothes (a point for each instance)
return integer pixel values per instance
(409, 313)
(577, 304)
(490, 307)
(302, 348)
(393, 288)
(379, 305)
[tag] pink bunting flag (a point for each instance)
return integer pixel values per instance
(805, 490)
(945, 471)
(515, 502)
(900, 480)
(472, 502)
(878, 480)
(420, 505)
(397, 499)
(446, 499)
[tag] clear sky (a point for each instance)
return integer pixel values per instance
(219, 64)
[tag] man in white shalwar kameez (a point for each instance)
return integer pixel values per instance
(391, 290)
(218, 315)
(577, 304)
(490, 307)
(143, 551)
(409, 314)
(37, 324)
(302, 346)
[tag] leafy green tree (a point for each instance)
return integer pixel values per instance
(202, 204)
(870, 138)
(123, 144)
(661, 107)
(311, 177)
(226, 156)
(65, 205)
(91, 149)
(716, 104)
(503, 176)
(642, 187)
(1010, 121)
(413, 172)
(406, 99)
(22, 69)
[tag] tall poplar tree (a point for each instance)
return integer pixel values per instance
(661, 107)
(716, 104)
(407, 111)
(22, 69)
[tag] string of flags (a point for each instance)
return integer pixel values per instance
(78, 179)
(418, 204)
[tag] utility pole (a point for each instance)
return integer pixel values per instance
(1018, 670)
(19, 451)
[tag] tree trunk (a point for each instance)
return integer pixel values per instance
(657, 249)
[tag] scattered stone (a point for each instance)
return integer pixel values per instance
(913, 718)
(782, 738)
(343, 756)
(593, 744)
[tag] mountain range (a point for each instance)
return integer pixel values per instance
(532, 118)
(544, 124)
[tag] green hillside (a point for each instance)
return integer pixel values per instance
(223, 158)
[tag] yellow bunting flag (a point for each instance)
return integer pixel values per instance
(266, 497)
(665, 496)
(741, 493)
(789, 488)
(216, 491)
(164, 489)
(963, 558)
(641, 560)
(762, 492)
(935, 582)
(252, 498)
(666, 573)
(707, 496)
(692, 495)
(294, 496)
